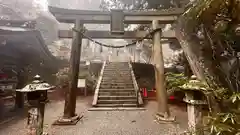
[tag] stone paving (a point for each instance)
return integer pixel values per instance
(104, 122)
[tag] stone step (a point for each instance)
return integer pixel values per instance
(116, 105)
(117, 109)
(122, 64)
(130, 101)
(117, 93)
(116, 84)
(116, 90)
(109, 75)
(115, 81)
(120, 97)
(116, 73)
(117, 68)
(117, 65)
(117, 77)
(116, 87)
(114, 69)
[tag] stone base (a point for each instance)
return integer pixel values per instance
(164, 118)
(71, 121)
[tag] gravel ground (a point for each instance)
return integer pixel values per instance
(104, 122)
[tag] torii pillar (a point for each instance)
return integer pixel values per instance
(70, 117)
(163, 113)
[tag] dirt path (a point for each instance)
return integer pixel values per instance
(103, 122)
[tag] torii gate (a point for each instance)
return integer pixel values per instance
(117, 19)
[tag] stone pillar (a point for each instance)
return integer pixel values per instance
(158, 62)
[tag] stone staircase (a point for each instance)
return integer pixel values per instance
(117, 87)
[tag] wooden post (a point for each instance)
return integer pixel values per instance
(70, 99)
(163, 109)
(19, 101)
(69, 116)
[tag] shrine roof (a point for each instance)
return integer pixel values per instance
(23, 43)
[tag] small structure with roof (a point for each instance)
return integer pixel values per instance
(37, 97)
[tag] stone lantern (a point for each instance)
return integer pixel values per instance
(36, 96)
(195, 100)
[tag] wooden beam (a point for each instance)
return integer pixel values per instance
(165, 12)
(107, 35)
(104, 17)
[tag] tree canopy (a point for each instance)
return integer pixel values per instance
(142, 4)
(207, 32)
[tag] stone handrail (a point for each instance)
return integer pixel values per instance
(139, 97)
(98, 85)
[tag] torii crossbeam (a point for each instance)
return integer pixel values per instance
(166, 16)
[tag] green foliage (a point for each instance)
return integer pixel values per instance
(174, 81)
(226, 123)
(212, 25)
(235, 97)
(63, 78)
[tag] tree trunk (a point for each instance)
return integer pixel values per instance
(200, 54)
(187, 33)
(190, 46)
(187, 69)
